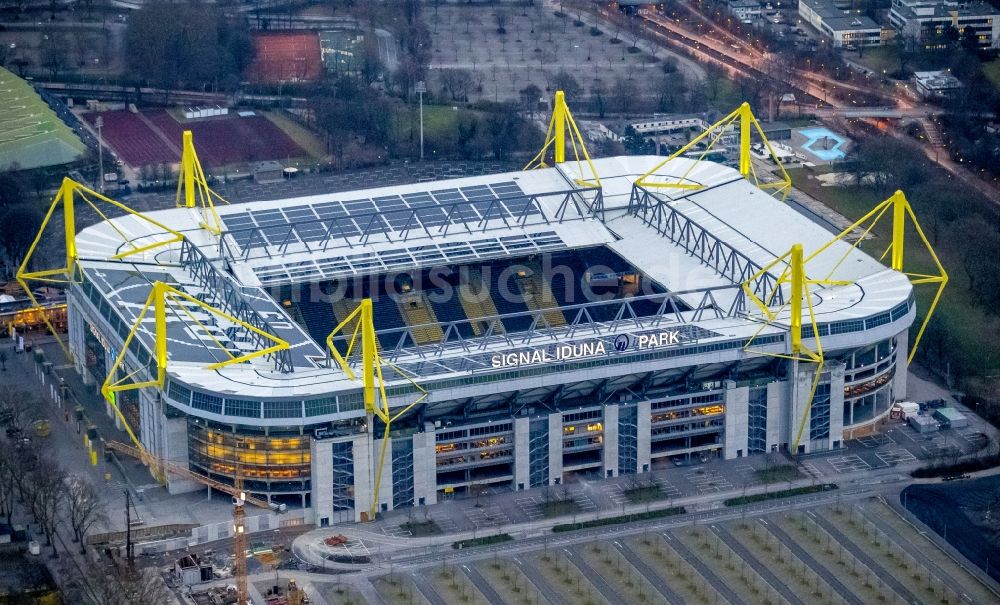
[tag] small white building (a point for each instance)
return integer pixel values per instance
(936, 84)
(923, 424)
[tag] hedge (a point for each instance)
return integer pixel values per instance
(653, 514)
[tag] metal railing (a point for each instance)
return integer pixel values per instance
(670, 310)
(357, 229)
(702, 244)
(222, 288)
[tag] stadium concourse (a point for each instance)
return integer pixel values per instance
(556, 328)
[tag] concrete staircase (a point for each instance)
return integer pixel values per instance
(933, 134)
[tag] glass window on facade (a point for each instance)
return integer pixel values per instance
(757, 421)
(343, 476)
(538, 452)
(819, 414)
(402, 471)
(628, 439)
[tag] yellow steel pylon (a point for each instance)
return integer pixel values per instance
(69, 192)
(901, 209)
(794, 275)
(372, 380)
(747, 123)
(555, 137)
(159, 296)
(191, 182)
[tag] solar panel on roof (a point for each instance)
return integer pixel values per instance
(434, 209)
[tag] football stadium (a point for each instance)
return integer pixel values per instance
(364, 351)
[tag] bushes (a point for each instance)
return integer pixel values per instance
(653, 514)
(966, 466)
(484, 541)
(785, 493)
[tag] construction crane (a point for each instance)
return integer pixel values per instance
(159, 467)
(240, 498)
(240, 541)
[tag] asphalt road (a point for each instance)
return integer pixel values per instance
(648, 572)
(806, 558)
(541, 584)
(706, 572)
(427, 589)
(594, 577)
(862, 556)
(761, 569)
(480, 583)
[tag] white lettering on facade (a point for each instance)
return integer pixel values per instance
(567, 352)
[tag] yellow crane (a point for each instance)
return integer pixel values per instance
(158, 466)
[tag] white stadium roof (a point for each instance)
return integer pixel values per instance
(465, 221)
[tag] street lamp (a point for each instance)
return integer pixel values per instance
(99, 122)
(420, 89)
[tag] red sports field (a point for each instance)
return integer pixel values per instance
(286, 57)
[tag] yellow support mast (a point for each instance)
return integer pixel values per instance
(70, 192)
(795, 275)
(373, 381)
(193, 187)
(901, 210)
(799, 303)
(159, 296)
(748, 124)
(560, 123)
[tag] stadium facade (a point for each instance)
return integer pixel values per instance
(557, 329)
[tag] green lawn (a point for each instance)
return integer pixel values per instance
(305, 139)
(419, 529)
(439, 120)
(644, 493)
(880, 60)
(965, 327)
(558, 508)
(992, 72)
(776, 474)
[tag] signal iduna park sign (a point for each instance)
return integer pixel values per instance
(583, 350)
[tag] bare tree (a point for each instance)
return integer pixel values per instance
(3, 360)
(54, 56)
(564, 81)
(599, 98)
(529, 98)
(18, 408)
(625, 95)
(634, 30)
(84, 508)
(128, 585)
(8, 487)
(22, 469)
(458, 83)
(47, 495)
(502, 18)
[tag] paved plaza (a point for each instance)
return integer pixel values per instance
(537, 46)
